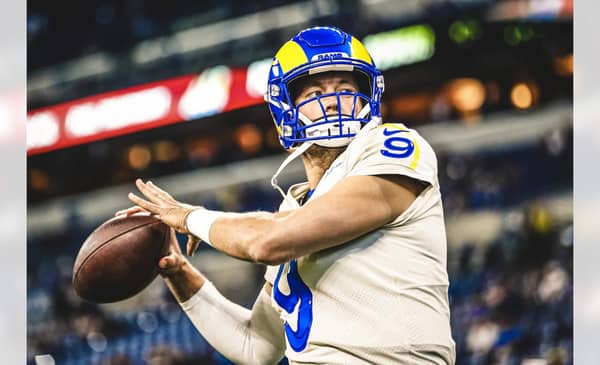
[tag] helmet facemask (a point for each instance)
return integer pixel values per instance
(334, 128)
(339, 115)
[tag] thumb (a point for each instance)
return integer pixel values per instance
(170, 265)
(166, 262)
(192, 244)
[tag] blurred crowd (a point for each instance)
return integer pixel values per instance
(510, 301)
(108, 32)
(501, 178)
(115, 26)
(516, 304)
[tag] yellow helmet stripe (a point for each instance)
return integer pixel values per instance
(291, 55)
(359, 51)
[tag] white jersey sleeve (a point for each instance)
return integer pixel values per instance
(393, 149)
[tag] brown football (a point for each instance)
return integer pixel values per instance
(120, 258)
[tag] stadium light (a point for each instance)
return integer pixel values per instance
(523, 95)
(207, 95)
(256, 77)
(38, 179)
(563, 65)
(166, 151)
(401, 46)
(139, 157)
(92, 117)
(464, 31)
(466, 94)
(515, 34)
(42, 130)
(249, 138)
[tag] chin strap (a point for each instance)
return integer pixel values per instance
(297, 152)
(373, 123)
(364, 111)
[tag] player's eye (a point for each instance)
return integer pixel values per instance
(347, 88)
(313, 93)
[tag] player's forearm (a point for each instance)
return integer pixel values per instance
(185, 282)
(248, 236)
(252, 236)
(273, 239)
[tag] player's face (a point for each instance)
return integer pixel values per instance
(324, 84)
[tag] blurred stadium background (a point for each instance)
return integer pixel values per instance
(172, 91)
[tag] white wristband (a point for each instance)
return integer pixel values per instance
(199, 222)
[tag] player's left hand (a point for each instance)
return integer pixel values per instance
(162, 205)
(172, 263)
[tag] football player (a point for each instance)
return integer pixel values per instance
(356, 255)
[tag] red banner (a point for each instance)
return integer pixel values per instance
(116, 113)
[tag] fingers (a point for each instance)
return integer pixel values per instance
(129, 211)
(154, 193)
(146, 205)
(192, 245)
(148, 192)
(161, 193)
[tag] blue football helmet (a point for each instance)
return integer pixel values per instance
(313, 51)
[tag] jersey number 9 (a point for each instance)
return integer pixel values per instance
(298, 303)
(396, 146)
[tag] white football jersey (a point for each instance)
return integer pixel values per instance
(383, 297)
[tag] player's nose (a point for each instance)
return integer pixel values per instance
(330, 104)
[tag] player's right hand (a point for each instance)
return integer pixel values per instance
(193, 242)
(162, 205)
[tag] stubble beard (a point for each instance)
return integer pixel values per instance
(322, 157)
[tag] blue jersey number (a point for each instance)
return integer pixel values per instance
(300, 297)
(396, 146)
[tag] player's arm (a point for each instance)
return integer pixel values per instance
(244, 336)
(355, 206)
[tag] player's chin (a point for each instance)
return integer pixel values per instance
(321, 151)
